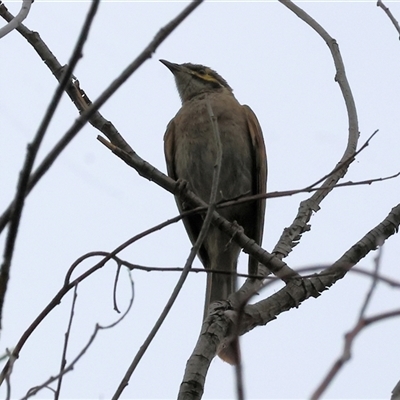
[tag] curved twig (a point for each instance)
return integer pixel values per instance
(71, 365)
(292, 235)
(16, 21)
(68, 285)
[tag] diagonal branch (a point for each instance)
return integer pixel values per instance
(264, 311)
(70, 284)
(32, 150)
(276, 266)
(88, 113)
(390, 15)
(218, 325)
(350, 336)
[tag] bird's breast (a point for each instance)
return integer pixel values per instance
(196, 147)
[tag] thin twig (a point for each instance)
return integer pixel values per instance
(33, 148)
(68, 285)
(345, 163)
(287, 193)
(374, 282)
(350, 336)
(306, 272)
(117, 272)
(66, 341)
(346, 354)
(33, 391)
(390, 15)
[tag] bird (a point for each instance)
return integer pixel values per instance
(190, 152)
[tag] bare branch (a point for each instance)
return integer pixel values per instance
(350, 336)
(202, 235)
(14, 23)
(390, 15)
(292, 235)
(70, 367)
(277, 266)
(66, 341)
(346, 355)
(33, 148)
(91, 112)
(68, 285)
(218, 325)
(396, 392)
(266, 310)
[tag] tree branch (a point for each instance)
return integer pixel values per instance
(292, 234)
(88, 112)
(218, 325)
(274, 264)
(193, 252)
(390, 15)
(33, 148)
(14, 23)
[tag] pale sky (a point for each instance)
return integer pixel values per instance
(91, 200)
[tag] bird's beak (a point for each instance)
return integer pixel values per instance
(171, 66)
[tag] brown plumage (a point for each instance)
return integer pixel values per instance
(190, 153)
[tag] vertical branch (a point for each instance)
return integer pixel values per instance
(65, 347)
(292, 234)
(203, 232)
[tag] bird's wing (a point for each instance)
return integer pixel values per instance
(169, 146)
(260, 175)
(192, 223)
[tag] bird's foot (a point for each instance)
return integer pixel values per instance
(181, 186)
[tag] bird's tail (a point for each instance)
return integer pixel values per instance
(219, 287)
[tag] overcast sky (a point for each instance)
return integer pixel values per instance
(90, 200)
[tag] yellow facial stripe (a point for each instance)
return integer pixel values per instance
(206, 77)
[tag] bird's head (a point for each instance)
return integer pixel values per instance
(194, 79)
